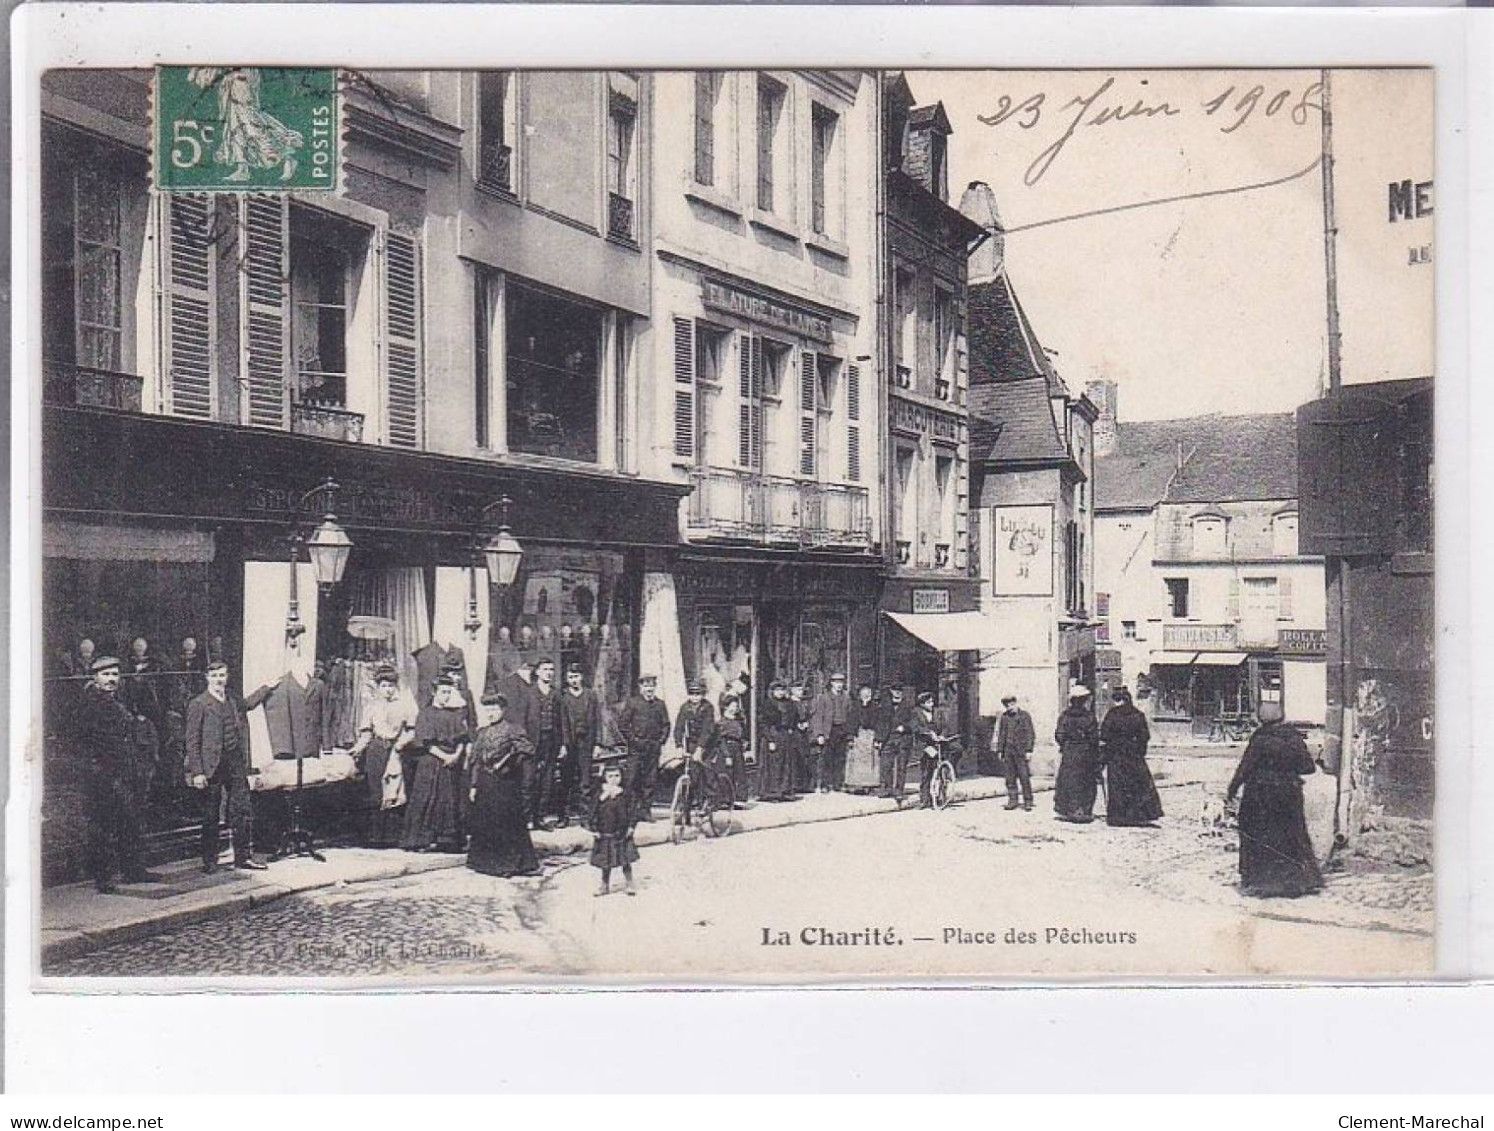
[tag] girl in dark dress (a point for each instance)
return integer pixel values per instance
(1131, 795)
(388, 727)
(612, 820)
(1276, 854)
(442, 735)
(1078, 739)
(499, 822)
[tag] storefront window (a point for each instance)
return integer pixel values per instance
(554, 357)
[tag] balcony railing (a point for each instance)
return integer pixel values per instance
(328, 422)
(65, 383)
(772, 510)
(619, 217)
(497, 168)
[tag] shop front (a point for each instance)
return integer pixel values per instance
(932, 639)
(202, 570)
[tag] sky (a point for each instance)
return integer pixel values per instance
(1212, 304)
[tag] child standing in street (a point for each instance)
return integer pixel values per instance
(612, 819)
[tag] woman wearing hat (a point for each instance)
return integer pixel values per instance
(388, 727)
(442, 734)
(500, 827)
(1276, 853)
(1078, 738)
(1130, 794)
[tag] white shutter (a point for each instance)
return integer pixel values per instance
(1283, 598)
(809, 372)
(402, 362)
(853, 429)
(1233, 608)
(265, 309)
(191, 336)
(684, 388)
(750, 420)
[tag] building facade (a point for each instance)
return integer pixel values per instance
(467, 320)
(1033, 473)
(929, 639)
(767, 383)
(1210, 602)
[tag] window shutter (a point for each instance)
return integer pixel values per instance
(1233, 611)
(705, 131)
(853, 430)
(265, 308)
(809, 371)
(402, 339)
(190, 328)
(1284, 598)
(684, 388)
(751, 412)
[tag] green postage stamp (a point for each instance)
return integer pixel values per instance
(246, 129)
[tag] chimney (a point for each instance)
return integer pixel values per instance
(1104, 395)
(979, 204)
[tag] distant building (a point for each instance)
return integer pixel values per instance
(1365, 458)
(1209, 600)
(1032, 453)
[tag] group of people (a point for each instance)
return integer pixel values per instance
(1277, 857)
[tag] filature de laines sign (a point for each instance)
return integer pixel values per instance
(718, 295)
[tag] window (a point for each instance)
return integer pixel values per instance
(825, 181)
(906, 519)
(496, 129)
(1177, 596)
(622, 191)
(699, 367)
(906, 297)
(775, 368)
(553, 374)
(944, 359)
(771, 97)
(1209, 536)
(1128, 629)
(944, 489)
(322, 254)
(1284, 535)
(939, 165)
(707, 94)
(482, 359)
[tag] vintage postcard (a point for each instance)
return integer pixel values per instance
(524, 527)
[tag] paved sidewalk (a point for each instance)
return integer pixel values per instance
(76, 918)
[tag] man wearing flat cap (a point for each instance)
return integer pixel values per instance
(1015, 738)
(692, 726)
(115, 779)
(829, 731)
(217, 766)
(643, 726)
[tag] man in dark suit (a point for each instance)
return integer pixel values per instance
(693, 724)
(117, 775)
(643, 724)
(217, 766)
(580, 741)
(898, 724)
(1015, 738)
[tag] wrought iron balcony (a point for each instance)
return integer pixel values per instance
(496, 171)
(69, 384)
(773, 510)
(330, 423)
(619, 217)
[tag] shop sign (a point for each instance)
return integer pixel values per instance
(1200, 638)
(920, 420)
(1302, 641)
(931, 600)
(717, 295)
(1022, 551)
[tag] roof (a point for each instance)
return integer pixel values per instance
(930, 115)
(1003, 345)
(1200, 459)
(1013, 421)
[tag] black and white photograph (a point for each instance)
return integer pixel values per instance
(526, 528)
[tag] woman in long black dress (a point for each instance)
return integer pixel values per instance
(499, 823)
(1078, 738)
(1276, 854)
(1130, 794)
(442, 735)
(388, 727)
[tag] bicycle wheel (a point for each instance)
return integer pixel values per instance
(942, 784)
(719, 798)
(679, 809)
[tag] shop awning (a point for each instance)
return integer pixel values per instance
(950, 632)
(1173, 659)
(1220, 659)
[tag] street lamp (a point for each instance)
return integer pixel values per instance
(502, 554)
(328, 546)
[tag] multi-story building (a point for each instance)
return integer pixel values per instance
(1032, 457)
(466, 320)
(932, 633)
(764, 300)
(1213, 604)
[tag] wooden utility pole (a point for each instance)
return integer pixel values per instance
(1330, 239)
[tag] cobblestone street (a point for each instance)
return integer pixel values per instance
(921, 875)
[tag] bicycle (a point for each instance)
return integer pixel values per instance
(941, 785)
(703, 797)
(1231, 728)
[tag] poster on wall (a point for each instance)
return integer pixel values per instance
(1022, 551)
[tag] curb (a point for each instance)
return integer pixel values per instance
(72, 943)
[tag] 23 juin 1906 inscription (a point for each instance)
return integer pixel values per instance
(735, 525)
